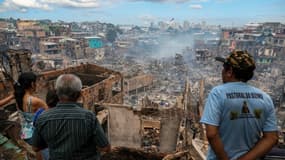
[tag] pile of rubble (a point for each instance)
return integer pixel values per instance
(149, 111)
(125, 153)
(150, 140)
(131, 154)
(11, 145)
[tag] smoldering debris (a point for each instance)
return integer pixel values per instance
(131, 154)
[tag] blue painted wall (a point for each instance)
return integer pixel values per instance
(95, 43)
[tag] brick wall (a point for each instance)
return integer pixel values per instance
(94, 79)
(138, 82)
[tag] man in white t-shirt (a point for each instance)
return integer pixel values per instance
(240, 119)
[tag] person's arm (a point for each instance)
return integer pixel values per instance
(212, 117)
(100, 138)
(39, 103)
(105, 149)
(37, 149)
(269, 137)
(215, 141)
(6, 99)
(263, 146)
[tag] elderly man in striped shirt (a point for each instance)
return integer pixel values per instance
(69, 130)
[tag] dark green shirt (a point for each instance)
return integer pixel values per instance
(70, 132)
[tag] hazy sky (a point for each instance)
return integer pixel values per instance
(142, 12)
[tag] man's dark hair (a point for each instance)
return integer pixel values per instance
(242, 64)
(51, 98)
(243, 75)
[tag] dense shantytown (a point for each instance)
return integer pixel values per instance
(147, 86)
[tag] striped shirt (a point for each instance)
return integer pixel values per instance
(70, 132)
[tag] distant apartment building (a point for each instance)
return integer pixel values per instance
(202, 55)
(26, 24)
(9, 38)
(227, 42)
(178, 59)
(49, 48)
(94, 42)
(279, 45)
(274, 27)
(94, 47)
(265, 41)
(6, 25)
(54, 39)
(265, 55)
(72, 47)
(123, 44)
(56, 29)
(8, 35)
(30, 32)
(30, 29)
(253, 27)
(79, 35)
(279, 40)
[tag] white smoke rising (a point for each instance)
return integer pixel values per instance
(170, 45)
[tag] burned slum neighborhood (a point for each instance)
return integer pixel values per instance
(147, 85)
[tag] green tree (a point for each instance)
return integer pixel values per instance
(111, 35)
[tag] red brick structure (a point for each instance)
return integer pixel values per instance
(99, 84)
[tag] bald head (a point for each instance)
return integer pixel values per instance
(68, 87)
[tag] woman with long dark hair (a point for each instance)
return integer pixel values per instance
(23, 93)
(27, 103)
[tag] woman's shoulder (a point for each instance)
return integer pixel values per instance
(38, 103)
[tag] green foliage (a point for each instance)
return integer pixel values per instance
(112, 32)
(56, 30)
(111, 35)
